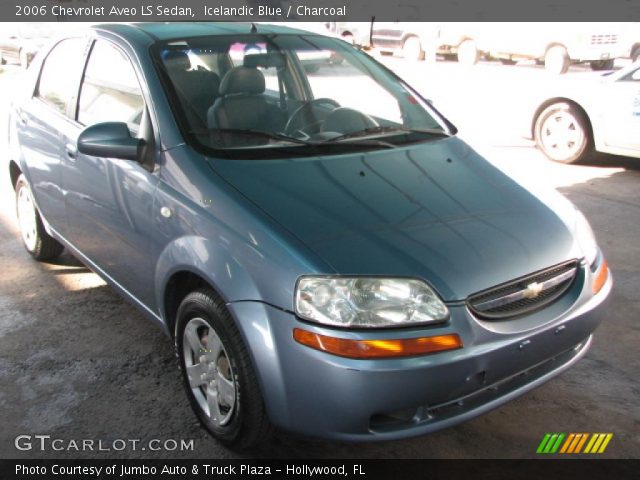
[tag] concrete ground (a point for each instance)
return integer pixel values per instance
(78, 362)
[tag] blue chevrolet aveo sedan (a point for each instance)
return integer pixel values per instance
(327, 256)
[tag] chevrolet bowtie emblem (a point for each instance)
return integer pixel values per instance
(532, 290)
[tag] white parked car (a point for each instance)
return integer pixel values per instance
(600, 113)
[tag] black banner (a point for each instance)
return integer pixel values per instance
(317, 11)
(321, 469)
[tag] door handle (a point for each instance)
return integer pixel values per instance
(72, 150)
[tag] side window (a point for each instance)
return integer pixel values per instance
(60, 72)
(110, 91)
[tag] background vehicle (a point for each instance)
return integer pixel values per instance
(356, 33)
(631, 41)
(602, 114)
(19, 42)
(412, 39)
(557, 45)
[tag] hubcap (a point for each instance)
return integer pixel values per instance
(561, 135)
(209, 370)
(27, 218)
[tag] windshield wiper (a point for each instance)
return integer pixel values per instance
(252, 133)
(381, 129)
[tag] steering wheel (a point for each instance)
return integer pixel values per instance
(303, 116)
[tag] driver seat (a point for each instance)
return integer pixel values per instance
(242, 103)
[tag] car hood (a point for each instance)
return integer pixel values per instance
(436, 211)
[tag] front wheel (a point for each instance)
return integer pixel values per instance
(35, 238)
(563, 134)
(218, 375)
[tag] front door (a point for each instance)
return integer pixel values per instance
(621, 112)
(109, 201)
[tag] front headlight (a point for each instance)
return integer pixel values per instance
(368, 302)
(585, 238)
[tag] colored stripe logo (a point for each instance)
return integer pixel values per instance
(574, 443)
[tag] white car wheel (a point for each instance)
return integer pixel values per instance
(563, 133)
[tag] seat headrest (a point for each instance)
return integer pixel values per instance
(176, 60)
(242, 80)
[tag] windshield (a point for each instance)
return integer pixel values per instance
(256, 93)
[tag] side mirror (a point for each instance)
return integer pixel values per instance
(110, 140)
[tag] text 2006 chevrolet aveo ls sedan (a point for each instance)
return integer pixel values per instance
(327, 255)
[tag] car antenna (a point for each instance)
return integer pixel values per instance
(254, 29)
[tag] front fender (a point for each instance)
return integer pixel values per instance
(215, 264)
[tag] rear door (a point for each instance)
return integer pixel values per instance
(43, 123)
(109, 201)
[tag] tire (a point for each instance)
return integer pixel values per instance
(205, 328)
(35, 238)
(412, 49)
(598, 65)
(468, 53)
(635, 54)
(556, 60)
(562, 132)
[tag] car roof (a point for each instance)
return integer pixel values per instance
(177, 30)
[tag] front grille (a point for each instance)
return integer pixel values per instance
(525, 294)
(604, 39)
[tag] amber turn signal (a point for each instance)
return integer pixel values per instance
(394, 348)
(600, 277)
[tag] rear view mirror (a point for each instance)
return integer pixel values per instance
(112, 140)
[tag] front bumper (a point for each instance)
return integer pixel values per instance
(319, 394)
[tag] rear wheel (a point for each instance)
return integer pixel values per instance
(598, 65)
(468, 53)
(35, 238)
(635, 54)
(218, 375)
(556, 60)
(563, 134)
